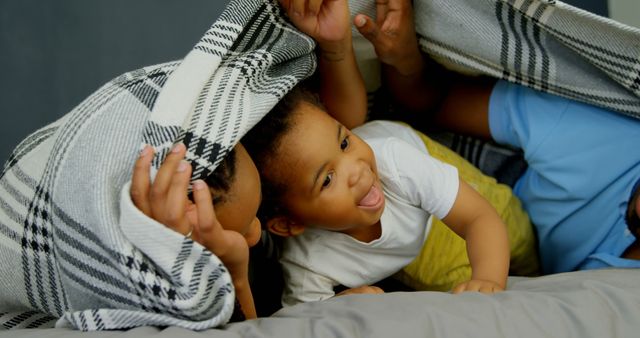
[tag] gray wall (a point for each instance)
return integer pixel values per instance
(596, 6)
(53, 54)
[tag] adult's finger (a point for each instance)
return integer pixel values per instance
(179, 185)
(140, 180)
(165, 174)
(230, 246)
(208, 228)
(176, 201)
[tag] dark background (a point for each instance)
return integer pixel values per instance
(53, 54)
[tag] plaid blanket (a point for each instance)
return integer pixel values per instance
(544, 44)
(74, 249)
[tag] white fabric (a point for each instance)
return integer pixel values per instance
(415, 187)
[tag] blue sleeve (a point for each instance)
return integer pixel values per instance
(522, 117)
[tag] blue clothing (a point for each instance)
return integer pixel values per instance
(583, 161)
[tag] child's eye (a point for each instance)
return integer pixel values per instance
(345, 143)
(327, 180)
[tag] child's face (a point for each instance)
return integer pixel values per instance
(238, 211)
(330, 174)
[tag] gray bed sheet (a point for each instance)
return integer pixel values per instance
(598, 303)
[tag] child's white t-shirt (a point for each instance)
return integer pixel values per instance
(415, 186)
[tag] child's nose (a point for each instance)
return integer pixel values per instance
(356, 171)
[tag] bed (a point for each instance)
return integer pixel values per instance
(578, 304)
(583, 303)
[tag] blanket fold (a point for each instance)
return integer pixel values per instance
(73, 246)
(544, 44)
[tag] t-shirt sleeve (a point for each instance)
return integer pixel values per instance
(424, 180)
(303, 285)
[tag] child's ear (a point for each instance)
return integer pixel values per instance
(284, 226)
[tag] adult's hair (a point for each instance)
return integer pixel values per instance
(221, 179)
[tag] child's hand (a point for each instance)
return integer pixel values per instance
(361, 289)
(393, 35)
(166, 201)
(326, 21)
(484, 286)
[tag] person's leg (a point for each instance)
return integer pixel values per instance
(582, 161)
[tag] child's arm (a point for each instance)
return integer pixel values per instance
(403, 66)
(166, 201)
(418, 83)
(475, 220)
(342, 89)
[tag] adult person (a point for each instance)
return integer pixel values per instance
(581, 185)
(234, 189)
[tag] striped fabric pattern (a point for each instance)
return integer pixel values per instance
(74, 250)
(544, 44)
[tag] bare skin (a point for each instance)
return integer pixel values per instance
(165, 200)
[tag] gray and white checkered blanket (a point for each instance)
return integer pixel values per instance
(75, 251)
(72, 246)
(545, 44)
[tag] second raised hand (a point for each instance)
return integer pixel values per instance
(393, 35)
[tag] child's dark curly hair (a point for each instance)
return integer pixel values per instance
(263, 141)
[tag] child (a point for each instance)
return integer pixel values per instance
(356, 211)
(351, 219)
(234, 189)
(580, 188)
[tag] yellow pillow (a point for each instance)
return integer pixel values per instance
(443, 262)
